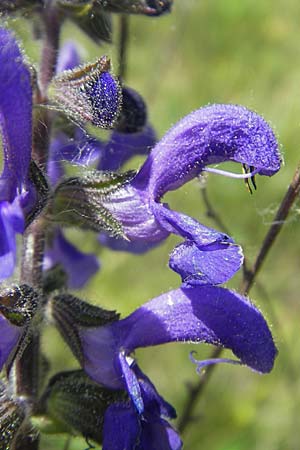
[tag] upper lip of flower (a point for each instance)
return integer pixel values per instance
(16, 130)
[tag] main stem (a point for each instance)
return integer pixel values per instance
(27, 368)
(249, 277)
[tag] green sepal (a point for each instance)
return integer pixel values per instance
(79, 201)
(69, 314)
(77, 404)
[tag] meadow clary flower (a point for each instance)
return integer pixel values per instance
(207, 314)
(15, 137)
(208, 136)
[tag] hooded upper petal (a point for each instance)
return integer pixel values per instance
(15, 135)
(199, 314)
(209, 314)
(210, 135)
(15, 113)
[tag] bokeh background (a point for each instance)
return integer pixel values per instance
(223, 51)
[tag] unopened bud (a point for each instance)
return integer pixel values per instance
(148, 7)
(90, 17)
(133, 116)
(18, 304)
(88, 93)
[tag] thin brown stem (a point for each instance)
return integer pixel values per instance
(249, 277)
(277, 224)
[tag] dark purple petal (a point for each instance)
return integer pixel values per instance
(15, 112)
(10, 334)
(121, 427)
(123, 146)
(11, 222)
(101, 356)
(189, 228)
(68, 57)
(78, 266)
(210, 135)
(151, 398)
(131, 382)
(197, 267)
(201, 314)
(159, 435)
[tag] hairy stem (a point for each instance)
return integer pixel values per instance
(27, 367)
(249, 277)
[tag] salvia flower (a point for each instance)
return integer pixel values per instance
(199, 314)
(208, 136)
(15, 135)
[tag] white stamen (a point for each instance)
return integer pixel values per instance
(231, 174)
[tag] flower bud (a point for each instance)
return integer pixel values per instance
(133, 115)
(78, 404)
(88, 93)
(148, 7)
(79, 201)
(18, 304)
(69, 313)
(90, 17)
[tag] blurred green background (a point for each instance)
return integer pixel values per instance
(225, 51)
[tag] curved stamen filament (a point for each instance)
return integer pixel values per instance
(207, 362)
(231, 174)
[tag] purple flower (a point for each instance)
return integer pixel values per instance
(199, 314)
(211, 135)
(15, 134)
